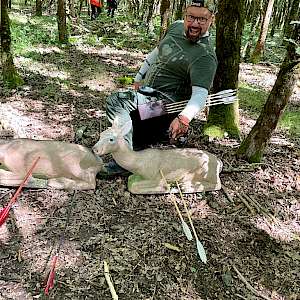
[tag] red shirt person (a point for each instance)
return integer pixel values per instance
(96, 6)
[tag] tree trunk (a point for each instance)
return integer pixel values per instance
(9, 72)
(253, 146)
(260, 45)
(72, 8)
(248, 46)
(293, 16)
(62, 22)
(179, 10)
(164, 17)
(148, 16)
(38, 8)
(230, 18)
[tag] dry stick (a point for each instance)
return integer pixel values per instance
(267, 213)
(225, 190)
(245, 202)
(109, 282)
(248, 285)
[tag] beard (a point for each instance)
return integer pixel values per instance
(192, 37)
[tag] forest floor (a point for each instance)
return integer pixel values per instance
(253, 251)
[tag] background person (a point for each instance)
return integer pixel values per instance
(111, 7)
(96, 7)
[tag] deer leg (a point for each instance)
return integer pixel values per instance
(63, 183)
(8, 178)
(202, 186)
(139, 185)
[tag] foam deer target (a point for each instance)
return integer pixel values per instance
(194, 169)
(61, 165)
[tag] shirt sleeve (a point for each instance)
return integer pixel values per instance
(203, 70)
(196, 103)
(150, 59)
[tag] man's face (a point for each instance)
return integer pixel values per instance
(197, 21)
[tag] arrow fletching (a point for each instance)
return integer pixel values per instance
(187, 231)
(201, 252)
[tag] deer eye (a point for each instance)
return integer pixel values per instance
(111, 140)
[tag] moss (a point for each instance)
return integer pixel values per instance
(132, 179)
(255, 158)
(224, 117)
(13, 80)
(244, 152)
(214, 131)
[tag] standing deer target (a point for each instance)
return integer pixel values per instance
(195, 170)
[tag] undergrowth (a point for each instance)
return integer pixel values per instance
(123, 32)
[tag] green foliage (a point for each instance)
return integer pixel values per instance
(290, 120)
(29, 32)
(274, 48)
(252, 100)
(120, 32)
(125, 80)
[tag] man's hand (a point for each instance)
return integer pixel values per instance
(179, 127)
(136, 85)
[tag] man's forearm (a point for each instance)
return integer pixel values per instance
(196, 103)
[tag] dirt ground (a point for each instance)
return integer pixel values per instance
(251, 233)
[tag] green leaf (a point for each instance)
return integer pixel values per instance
(187, 231)
(201, 252)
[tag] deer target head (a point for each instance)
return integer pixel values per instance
(109, 141)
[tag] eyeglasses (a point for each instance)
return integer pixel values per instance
(200, 20)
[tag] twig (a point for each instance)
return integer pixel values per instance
(267, 213)
(248, 285)
(5, 194)
(237, 170)
(109, 282)
(225, 190)
(153, 294)
(245, 202)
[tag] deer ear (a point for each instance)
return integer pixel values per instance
(126, 128)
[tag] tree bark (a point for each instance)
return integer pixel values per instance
(253, 146)
(230, 18)
(293, 16)
(38, 8)
(164, 17)
(260, 45)
(62, 21)
(9, 72)
(179, 10)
